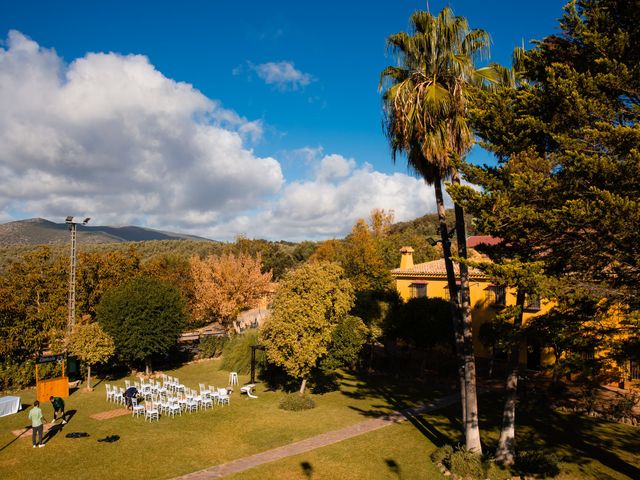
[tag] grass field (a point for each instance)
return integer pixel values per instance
(180, 445)
(588, 448)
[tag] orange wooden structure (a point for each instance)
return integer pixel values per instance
(52, 387)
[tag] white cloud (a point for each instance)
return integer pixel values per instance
(328, 205)
(109, 136)
(335, 166)
(283, 75)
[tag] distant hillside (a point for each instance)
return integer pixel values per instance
(428, 224)
(38, 231)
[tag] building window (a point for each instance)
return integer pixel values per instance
(532, 302)
(418, 290)
(497, 295)
(458, 293)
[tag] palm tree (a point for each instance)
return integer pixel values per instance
(425, 118)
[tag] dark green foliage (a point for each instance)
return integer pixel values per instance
(460, 461)
(624, 406)
(15, 375)
(236, 355)
(422, 322)
(211, 346)
(537, 462)
(144, 317)
(442, 454)
(294, 402)
(568, 138)
(347, 339)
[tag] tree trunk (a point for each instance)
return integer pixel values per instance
(453, 296)
(303, 386)
(147, 366)
(88, 377)
(471, 425)
(506, 450)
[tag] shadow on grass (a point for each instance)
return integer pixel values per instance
(573, 438)
(583, 440)
(57, 428)
(307, 469)
(393, 467)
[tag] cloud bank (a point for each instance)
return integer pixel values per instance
(110, 137)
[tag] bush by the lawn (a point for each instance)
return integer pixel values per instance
(295, 402)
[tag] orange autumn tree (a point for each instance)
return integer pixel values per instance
(225, 285)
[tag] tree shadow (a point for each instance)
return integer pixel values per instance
(307, 469)
(26, 429)
(393, 467)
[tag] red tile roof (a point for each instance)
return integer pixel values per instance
(476, 240)
(436, 268)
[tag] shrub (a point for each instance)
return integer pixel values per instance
(537, 462)
(14, 375)
(442, 454)
(236, 355)
(466, 464)
(295, 402)
(624, 406)
(211, 346)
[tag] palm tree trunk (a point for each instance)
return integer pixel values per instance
(471, 425)
(505, 452)
(453, 297)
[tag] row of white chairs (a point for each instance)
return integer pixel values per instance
(187, 399)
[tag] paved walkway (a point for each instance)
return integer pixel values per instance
(322, 440)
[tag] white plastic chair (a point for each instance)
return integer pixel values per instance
(223, 396)
(206, 402)
(151, 412)
(118, 395)
(136, 408)
(174, 408)
(191, 404)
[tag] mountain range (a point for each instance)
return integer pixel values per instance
(38, 231)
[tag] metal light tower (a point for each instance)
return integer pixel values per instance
(72, 271)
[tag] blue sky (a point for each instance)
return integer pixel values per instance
(215, 118)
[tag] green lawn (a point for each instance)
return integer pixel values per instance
(588, 448)
(194, 441)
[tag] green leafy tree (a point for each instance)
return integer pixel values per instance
(564, 194)
(34, 292)
(349, 335)
(421, 322)
(425, 108)
(101, 271)
(91, 345)
(144, 317)
(309, 303)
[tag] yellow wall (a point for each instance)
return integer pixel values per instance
(481, 310)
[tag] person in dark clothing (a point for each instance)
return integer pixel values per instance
(58, 409)
(129, 393)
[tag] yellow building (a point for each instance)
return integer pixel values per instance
(429, 279)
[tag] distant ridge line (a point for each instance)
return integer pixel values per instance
(40, 231)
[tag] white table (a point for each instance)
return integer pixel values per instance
(9, 405)
(248, 390)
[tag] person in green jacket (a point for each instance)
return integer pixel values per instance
(37, 424)
(58, 408)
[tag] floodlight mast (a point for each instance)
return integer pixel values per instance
(71, 321)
